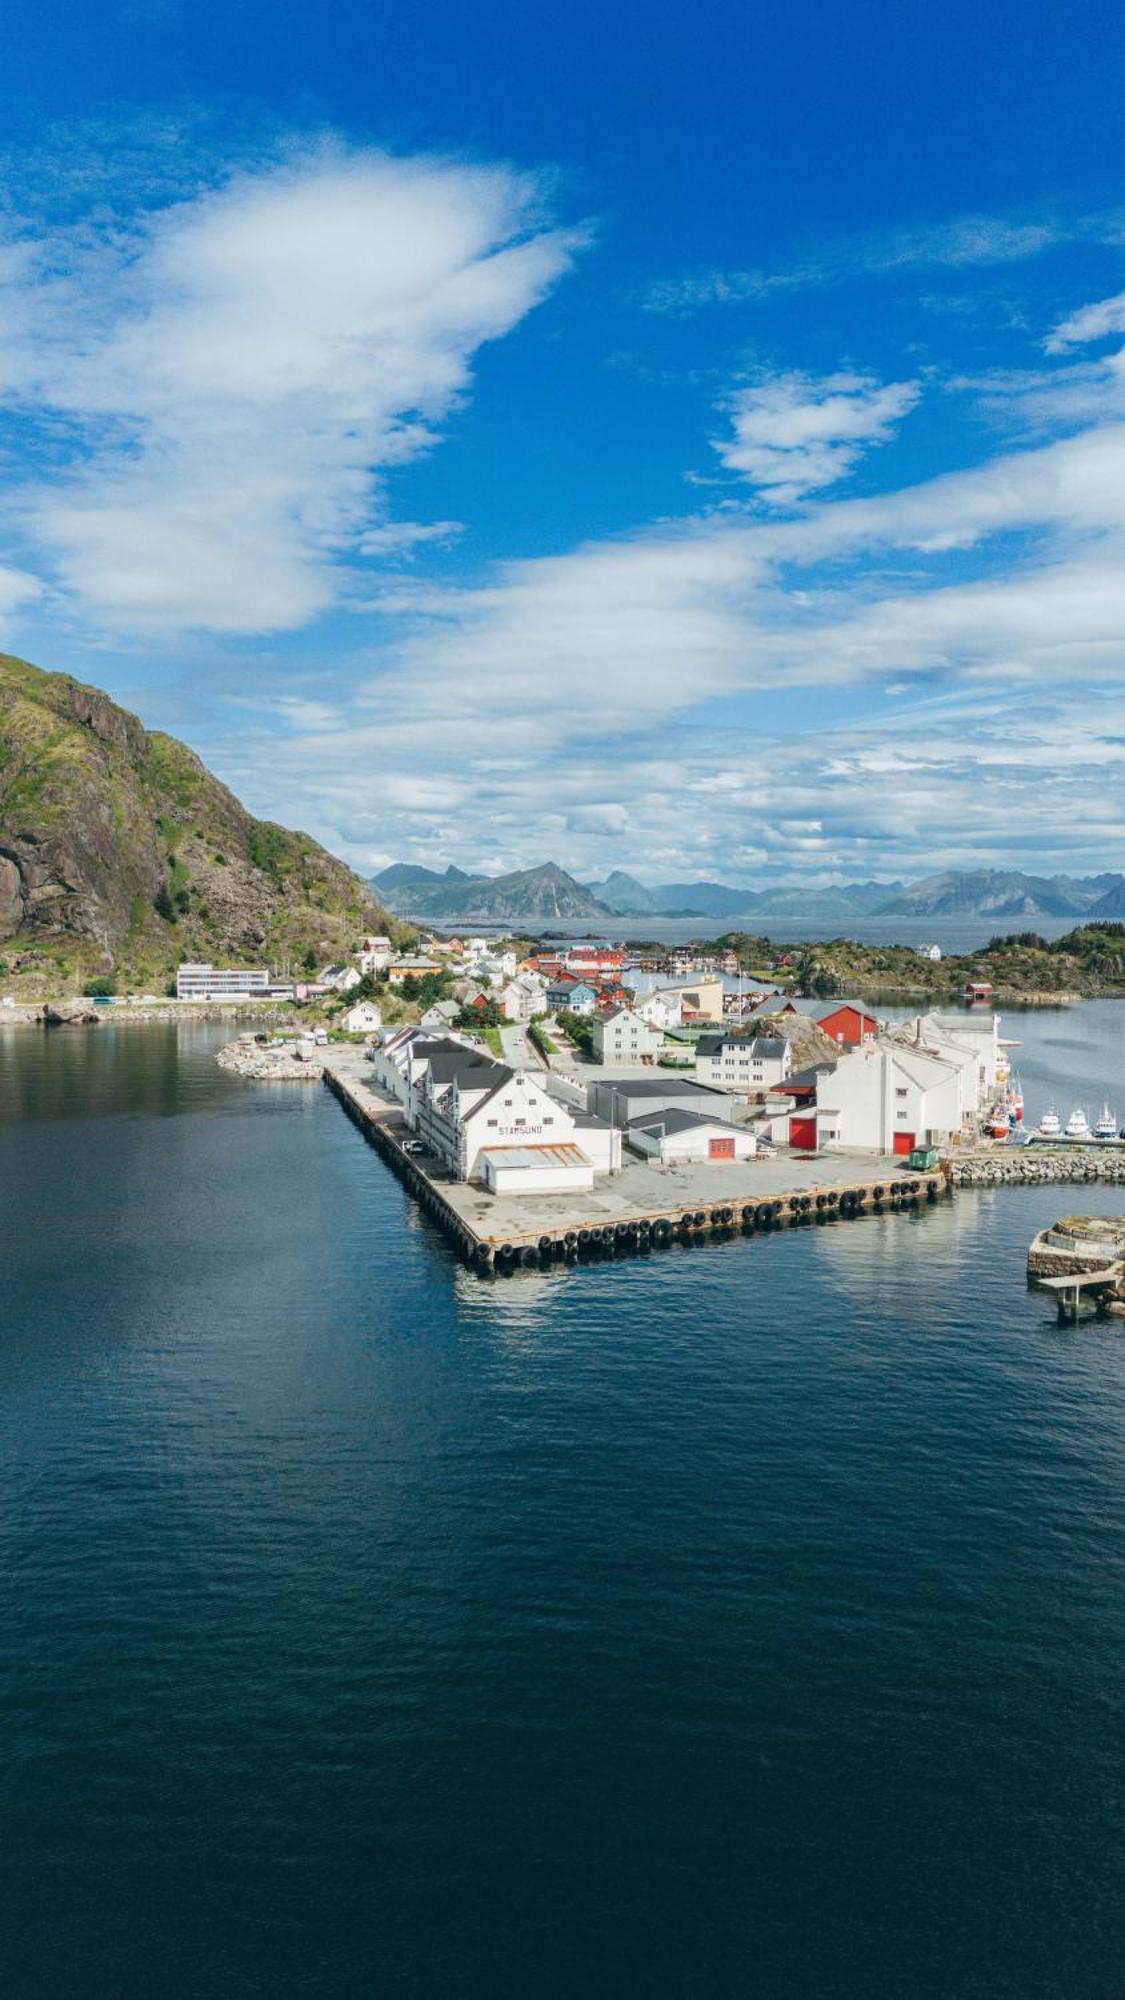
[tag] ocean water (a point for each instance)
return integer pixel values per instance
(740, 1620)
(953, 934)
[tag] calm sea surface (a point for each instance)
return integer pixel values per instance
(746, 1620)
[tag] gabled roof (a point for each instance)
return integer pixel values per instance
(462, 1067)
(769, 1048)
(678, 1121)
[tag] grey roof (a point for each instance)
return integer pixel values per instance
(464, 1066)
(668, 1085)
(768, 1047)
(676, 1121)
(811, 1075)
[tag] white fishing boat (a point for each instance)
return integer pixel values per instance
(1049, 1126)
(1077, 1125)
(1106, 1127)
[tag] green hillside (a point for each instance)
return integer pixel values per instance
(121, 854)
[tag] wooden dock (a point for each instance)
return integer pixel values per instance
(653, 1225)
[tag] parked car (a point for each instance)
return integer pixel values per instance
(413, 1146)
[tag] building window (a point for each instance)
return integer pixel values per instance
(492, 1121)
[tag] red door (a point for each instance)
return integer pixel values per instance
(802, 1134)
(904, 1142)
(720, 1149)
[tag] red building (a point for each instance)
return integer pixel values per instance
(848, 1026)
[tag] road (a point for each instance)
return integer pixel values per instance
(518, 1050)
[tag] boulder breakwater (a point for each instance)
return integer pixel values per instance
(1029, 1166)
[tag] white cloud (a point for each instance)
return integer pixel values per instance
(794, 434)
(403, 537)
(234, 371)
(637, 672)
(965, 243)
(1093, 322)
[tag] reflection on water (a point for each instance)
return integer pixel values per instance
(740, 1617)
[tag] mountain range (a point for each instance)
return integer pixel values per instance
(536, 895)
(119, 849)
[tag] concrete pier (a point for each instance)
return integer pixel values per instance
(642, 1207)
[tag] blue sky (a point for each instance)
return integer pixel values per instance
(690, 441)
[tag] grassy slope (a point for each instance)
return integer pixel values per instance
(140, 824)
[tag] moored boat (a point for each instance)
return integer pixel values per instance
(1077, 1125)
(1106, 1127)
(1049, 1126)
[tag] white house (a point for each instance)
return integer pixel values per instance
(664, 1137)
(340, 978)
(662, 1009)
(523, 997)
(699, 998)
(440, 1016)
(743, 1064)
(622, 1037)
(362, 1019)
(888, 1098)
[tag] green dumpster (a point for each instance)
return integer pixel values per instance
(923, 1159)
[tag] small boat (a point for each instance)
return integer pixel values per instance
(996, 1124)
(1015, 1100)
(1049, 1126)
(1077, 1125)
(1106, 1127)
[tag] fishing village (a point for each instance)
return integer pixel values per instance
(578, 1103)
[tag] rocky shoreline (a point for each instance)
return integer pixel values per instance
(1038, 1166)
(84, 1013)
(270, 1062)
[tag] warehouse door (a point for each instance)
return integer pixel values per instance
(802, 1134)
(720, 1149)
(904, 1142)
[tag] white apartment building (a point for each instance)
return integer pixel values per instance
(743, 1064)
(216, 982)
(622, 1037)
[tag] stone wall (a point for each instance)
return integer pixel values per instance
(1038, 1166)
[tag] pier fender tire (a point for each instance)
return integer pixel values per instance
(528, 1256)
(878, 1193)
(546, 1246)
(483, 1255)
(571, 1239)
(506, 1250)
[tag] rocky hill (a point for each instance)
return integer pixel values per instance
(120, 853)
(530, 895)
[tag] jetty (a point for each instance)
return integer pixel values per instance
(1081, 1259)
(640, 1208)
